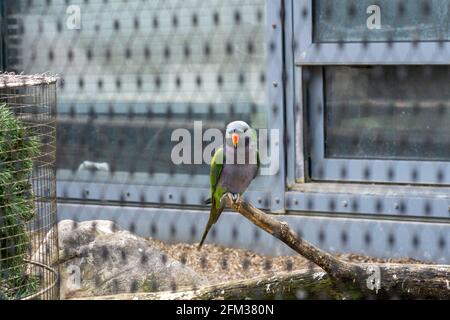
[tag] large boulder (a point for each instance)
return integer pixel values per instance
(96, 259)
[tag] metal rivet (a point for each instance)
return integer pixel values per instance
(277, 200)
(396, 206)
(275, 84)
(345, 204)
(274, 25)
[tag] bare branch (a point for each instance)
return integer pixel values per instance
(419, 280)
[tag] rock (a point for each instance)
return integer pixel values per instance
(96, 259)
(72, 235)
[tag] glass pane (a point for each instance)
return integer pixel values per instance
(134, 71)
(396, 20)
(388, 112)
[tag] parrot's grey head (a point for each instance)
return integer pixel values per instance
(238, 133)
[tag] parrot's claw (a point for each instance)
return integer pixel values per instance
(233, 197)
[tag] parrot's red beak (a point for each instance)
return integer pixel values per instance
(235, 139)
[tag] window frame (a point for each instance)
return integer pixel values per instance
(427, 203)
(360, 53)
(311, 58)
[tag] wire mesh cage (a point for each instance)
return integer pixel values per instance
(28, 237)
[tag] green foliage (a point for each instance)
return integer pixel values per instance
(17, 149)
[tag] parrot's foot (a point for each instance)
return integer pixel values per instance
(233, 197)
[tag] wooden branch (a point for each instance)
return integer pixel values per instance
(401, 280)
(313, 283)
(282, 231)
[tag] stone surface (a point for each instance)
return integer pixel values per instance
(96, 259)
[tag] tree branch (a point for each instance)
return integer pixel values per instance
(416, 281)
(313, 285)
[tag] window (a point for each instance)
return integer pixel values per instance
(371, 32)
(378, 21)
(376, 79)
(388, 112)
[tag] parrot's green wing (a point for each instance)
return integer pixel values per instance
(216, 208)
(216, 169)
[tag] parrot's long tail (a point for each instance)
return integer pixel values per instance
(213, 217)
(205, 233)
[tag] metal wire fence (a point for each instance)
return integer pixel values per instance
(28, 235)
(355, 92)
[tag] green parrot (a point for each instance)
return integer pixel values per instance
(230, 171)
